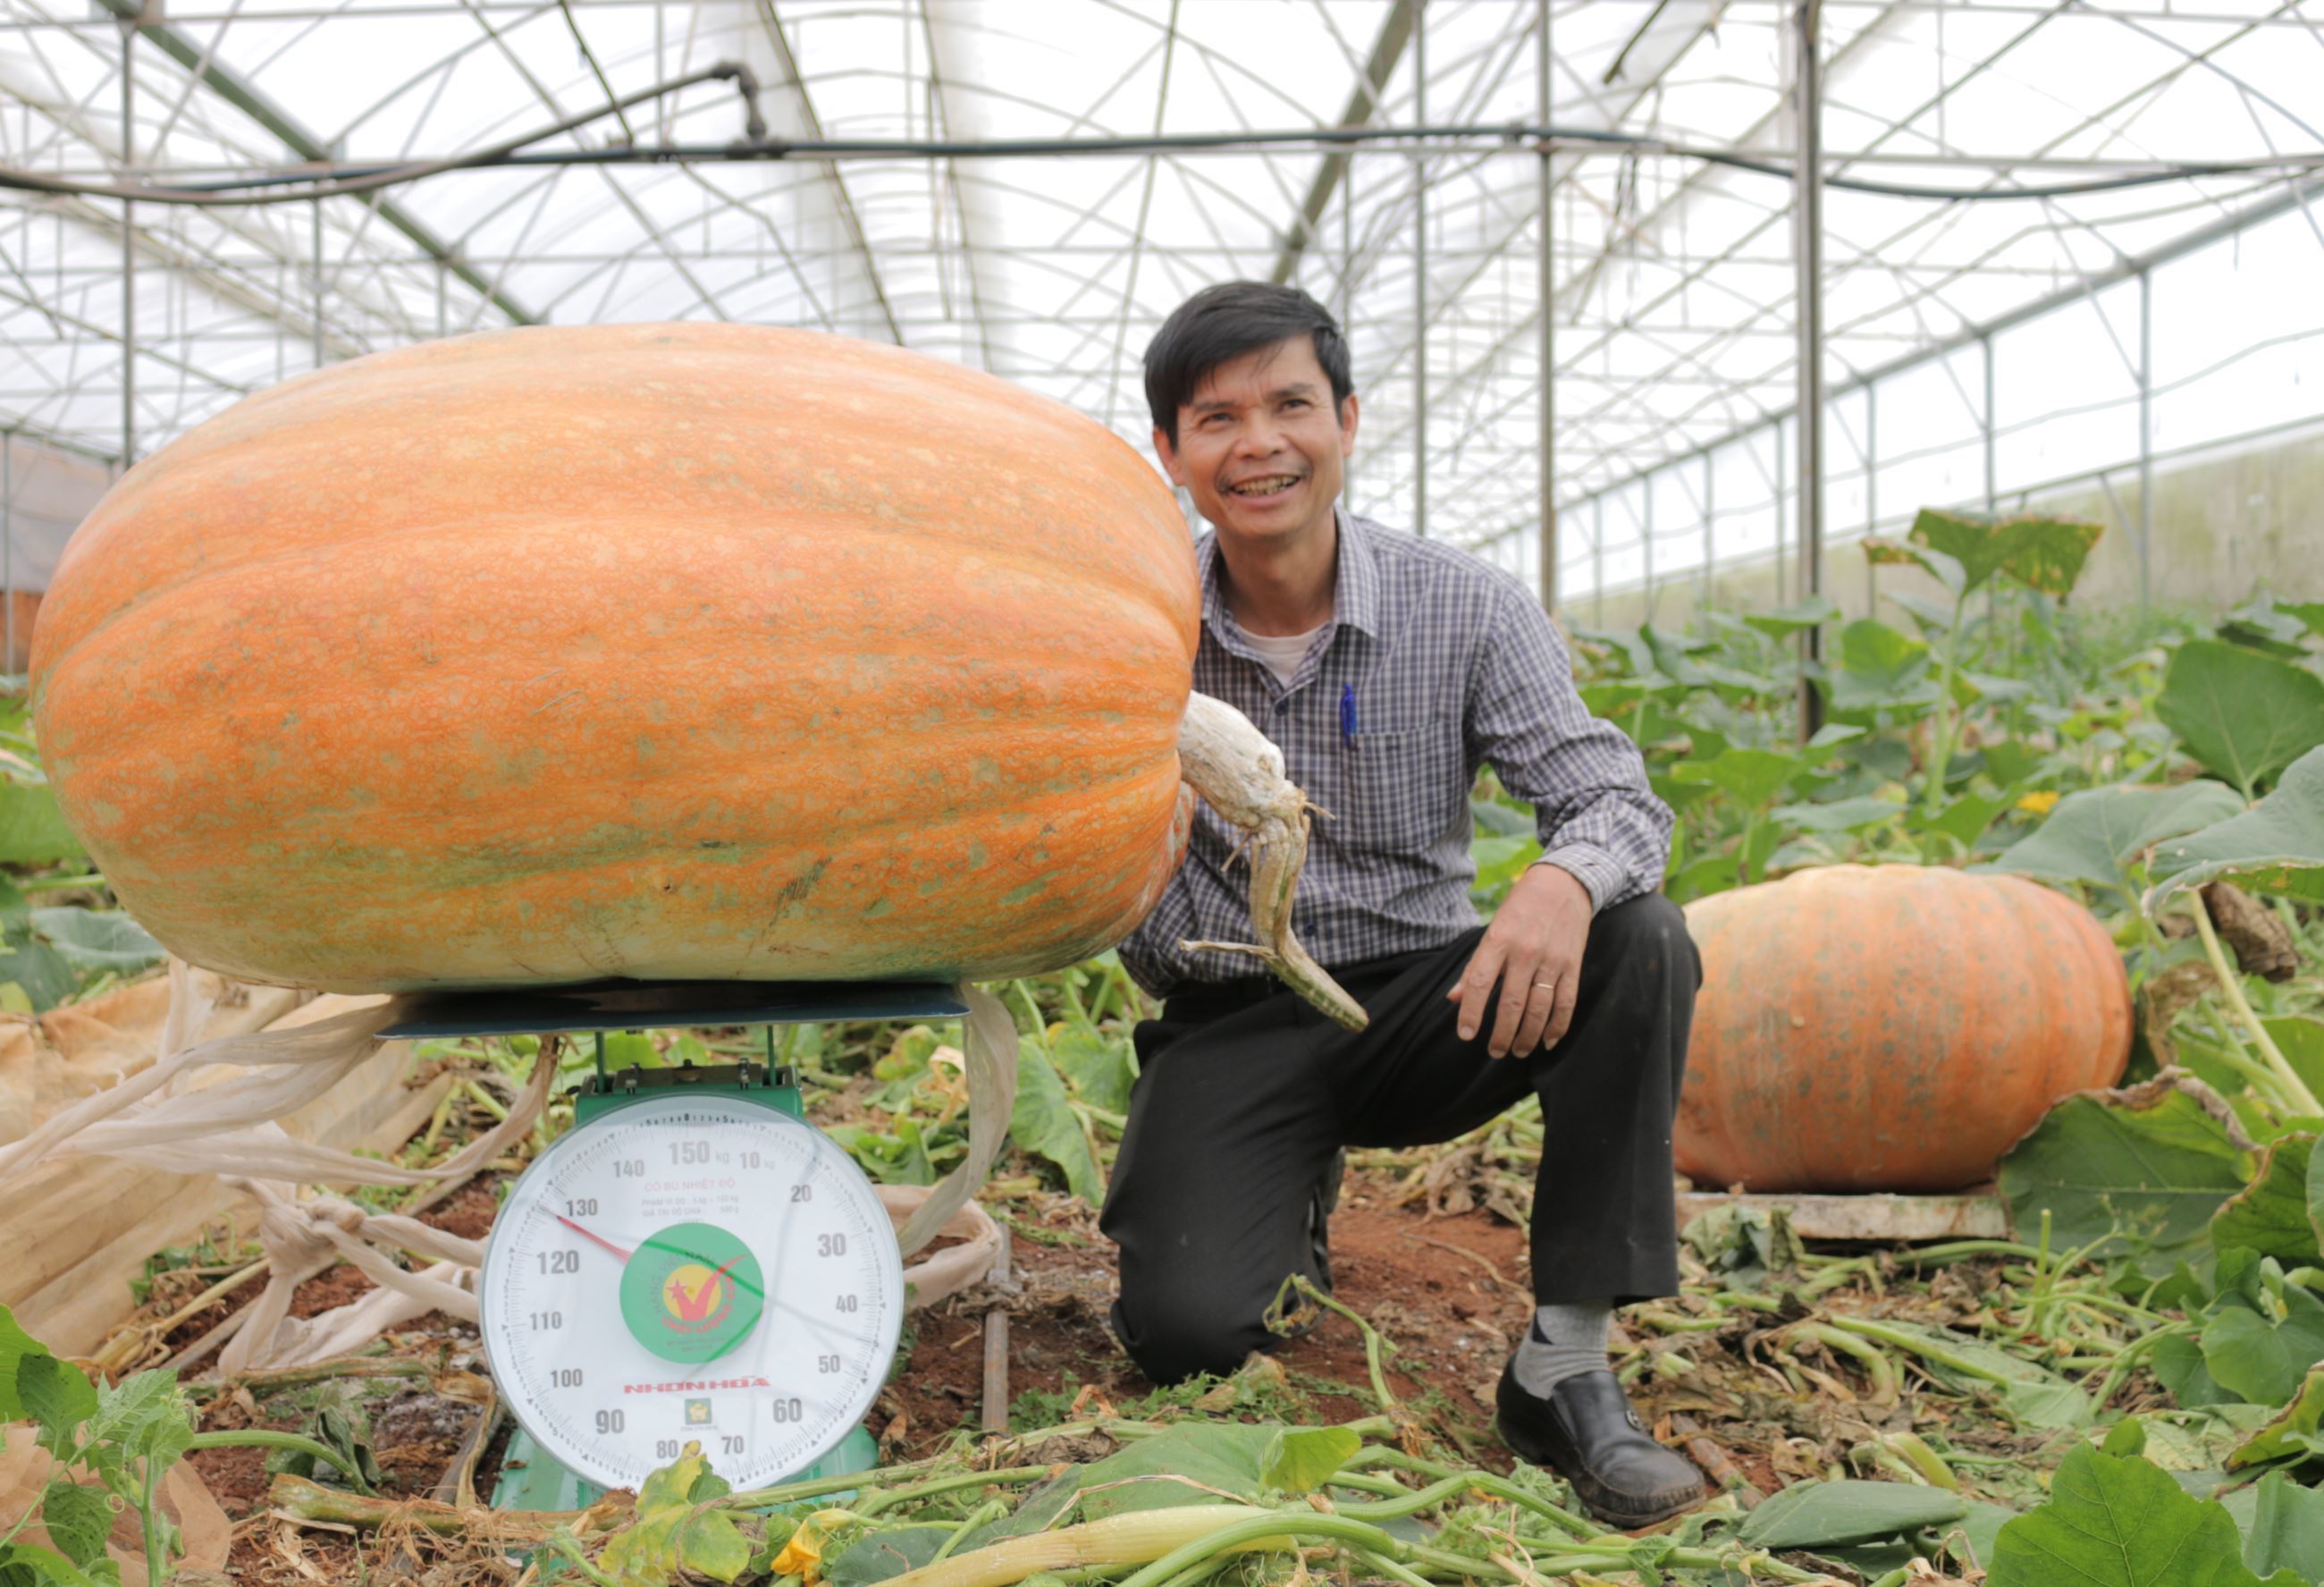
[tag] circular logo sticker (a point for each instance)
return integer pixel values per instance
(692, 1293)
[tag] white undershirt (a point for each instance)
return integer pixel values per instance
(1284, 652)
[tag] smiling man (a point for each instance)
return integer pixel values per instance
(1388, 669)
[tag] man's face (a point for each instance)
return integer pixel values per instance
(1259, 446)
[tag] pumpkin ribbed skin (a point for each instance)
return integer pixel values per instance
(1889, 1027)
(704, 651)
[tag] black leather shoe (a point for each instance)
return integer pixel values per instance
(1587, 1433)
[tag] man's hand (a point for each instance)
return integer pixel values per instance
(1534, 949)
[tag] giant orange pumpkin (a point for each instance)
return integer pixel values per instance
(1889, 1027)
(644, 650)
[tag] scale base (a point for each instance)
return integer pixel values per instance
(533, 1481)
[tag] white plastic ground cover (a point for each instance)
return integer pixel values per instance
(157, 1118)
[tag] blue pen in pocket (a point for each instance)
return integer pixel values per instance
(1348, 717)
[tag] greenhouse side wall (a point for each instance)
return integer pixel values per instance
(2225, 527)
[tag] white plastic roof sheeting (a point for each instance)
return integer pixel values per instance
(1674, 306)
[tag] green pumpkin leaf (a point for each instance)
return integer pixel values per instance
(1880, 665)
(1839, 815)
(1946, 569)
(58, 1395)
(2122, 1523)
(2095, 837)
(79, 1520)
(146, 1415)
(671, 1533)
(2179, 1363)
(32, 830)
(1822, 1514)
(1753, 775)
(1183, 1465)
(889, 1552)
(93, 941)
(2244, 714)
(24, 1563)
(2287, 1529)
(2292, 1433)
(2302, 1042)
(2271, 1214)
(1097, 1067)
(2201, 1439)
(2262, 1335)
(2040, 551)
(1787, 621)
(1043, 1124)
(2276, 847)
(2139, 1170)
(1966, 818)
(1298, 1459)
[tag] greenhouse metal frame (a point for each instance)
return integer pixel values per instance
(2043, 248)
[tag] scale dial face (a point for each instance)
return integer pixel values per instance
(699, 1268)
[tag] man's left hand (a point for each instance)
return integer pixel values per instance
(1534, 949)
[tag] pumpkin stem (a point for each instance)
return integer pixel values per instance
(1239, 775)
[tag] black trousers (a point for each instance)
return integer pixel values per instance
(1245, 1093)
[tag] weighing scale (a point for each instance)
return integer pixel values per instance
(692, 1262)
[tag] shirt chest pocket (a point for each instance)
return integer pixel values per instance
(1401, 790)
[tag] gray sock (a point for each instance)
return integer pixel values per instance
(1565, 1341)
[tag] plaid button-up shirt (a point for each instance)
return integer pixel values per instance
(1434, 663)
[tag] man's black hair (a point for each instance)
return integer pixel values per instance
(1221, 324)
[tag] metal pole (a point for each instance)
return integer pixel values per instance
(1647, 542)
(1419, 277)
(128, 257)
(2145, 431)
(1992, 495)
(1783, 484)
(1807, 254)
(318, 283)
(8, 535)
(443, 321)
(1348, 298)
(1871, 490)
(1546, 551)
(1709, 533)
(1597, 561)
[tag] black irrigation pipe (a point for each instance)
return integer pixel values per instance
(309, 182)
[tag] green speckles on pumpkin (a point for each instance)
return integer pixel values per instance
(1017, 895)
(978, 858)
(985, 770)
(931, 887)
(877, 908)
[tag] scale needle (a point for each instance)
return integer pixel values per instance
(584, 1234)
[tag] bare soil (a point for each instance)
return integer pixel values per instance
(1446, 1291)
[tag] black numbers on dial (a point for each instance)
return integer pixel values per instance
(666, 1449)
(846, 1302)
(565, 1377)
(611, 1421)
(831, 1245)
(559, 1261)
(787, 1410)
(826, 1363)
(689, 1151)
(585, 1206)
(629, 1168)
(731, 1443)
(750, 1159)
(802, 1193)
(547, 1322)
